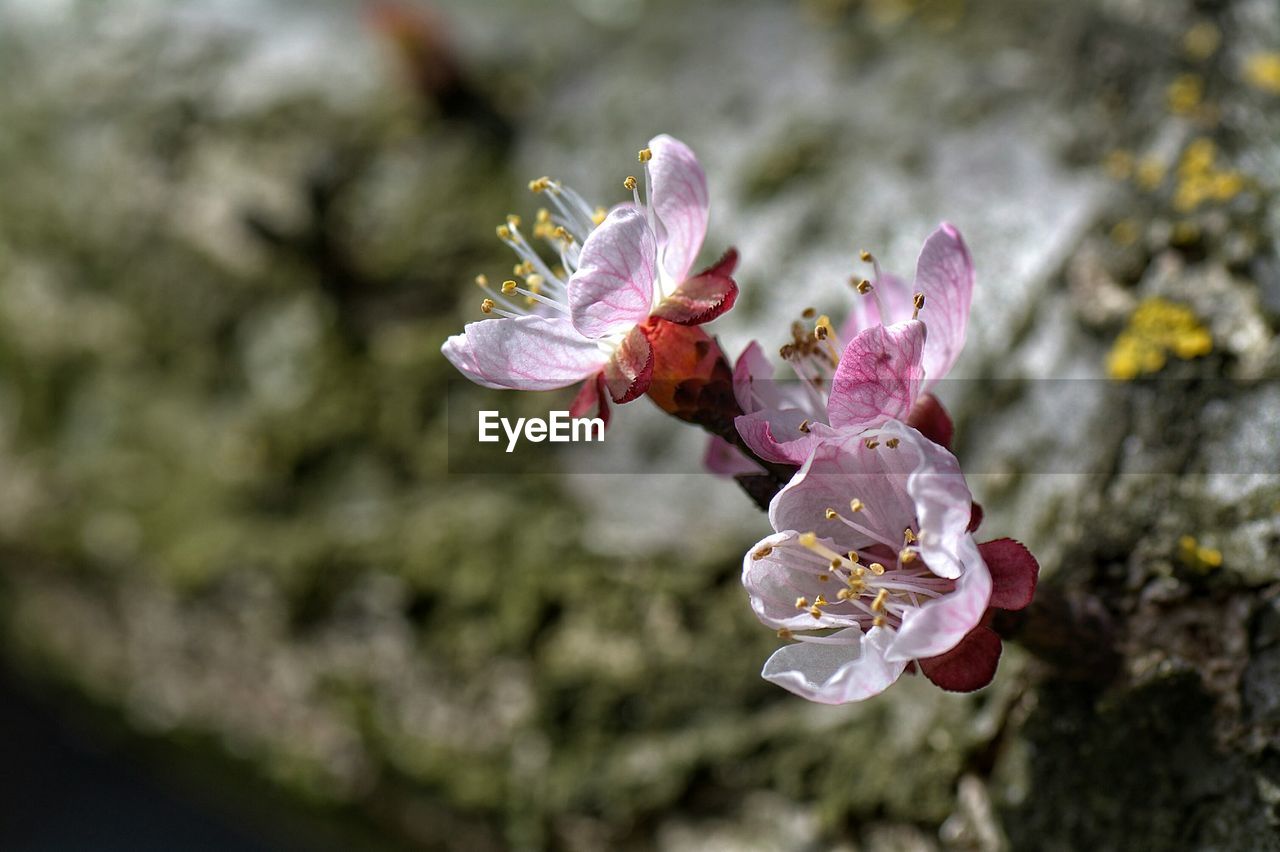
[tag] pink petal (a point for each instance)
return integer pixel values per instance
(628, 372)
(613, 287)
(724, 459)
(591, 397)
(835, 673)
(751, 369)
(774, 581)
(525, 353)
(878, 378)
(1014, 572)
(939, 625)
(678, 195)
(930, 419)
(943, 502)
(969, 665)
(774, 435)
(944, 273)
(894, 293)
(839, 469)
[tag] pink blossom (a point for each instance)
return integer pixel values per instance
(872, 566)
(901, 341)
(592, 317)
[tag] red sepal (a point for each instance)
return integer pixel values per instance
(1014, 572)
(703, 297)
(628, 372)
(970, 665)
(591, 396)
(930, 419)
(975, 516)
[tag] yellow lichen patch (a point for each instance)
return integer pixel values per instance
(1196, 556)
(1262, 71)
(1119, 164)
(1200, 179)
(1150, 172)
(1157, 329)
(1184, 94)
(1201, 41)
(1125, 232)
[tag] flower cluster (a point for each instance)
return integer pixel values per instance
(872, 569)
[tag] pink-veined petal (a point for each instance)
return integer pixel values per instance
(944, 273)
(940, 624)
(724, 459)
(878, 377)
(613, 287)
(678, 195)
(775, 436)
(775, 573)
(835, 672)
(524, 353)
(840, 468)
(943, 502)
(752, 379)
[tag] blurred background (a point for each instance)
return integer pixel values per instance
(245, 603)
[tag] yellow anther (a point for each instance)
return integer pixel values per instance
(522, 269)
(599, 215)
(513, 220)
(482, 281)
(876, 568)
(856, 505)
(831, 514)
(645, 155)
(534, 283)
(820, 601)
(844, 594)
(863, 286)
(504, 233)
(917, 301)
(487, 306)
(835, 563)
(809, 313)
(878, 621)
(815, 612)
(804, 426)
(562, 234)
(892, 443)
(820, 332)
(762, 552)
(822, 578)
(871, 443)
(858, 570)
(543, 216)
(802, 602)
(630, 182)
(906, 556)
(881, 597)
(509, 287)
(865, 256)
(541, 184)
(808, 539)
(784, 633)
(908, 537)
